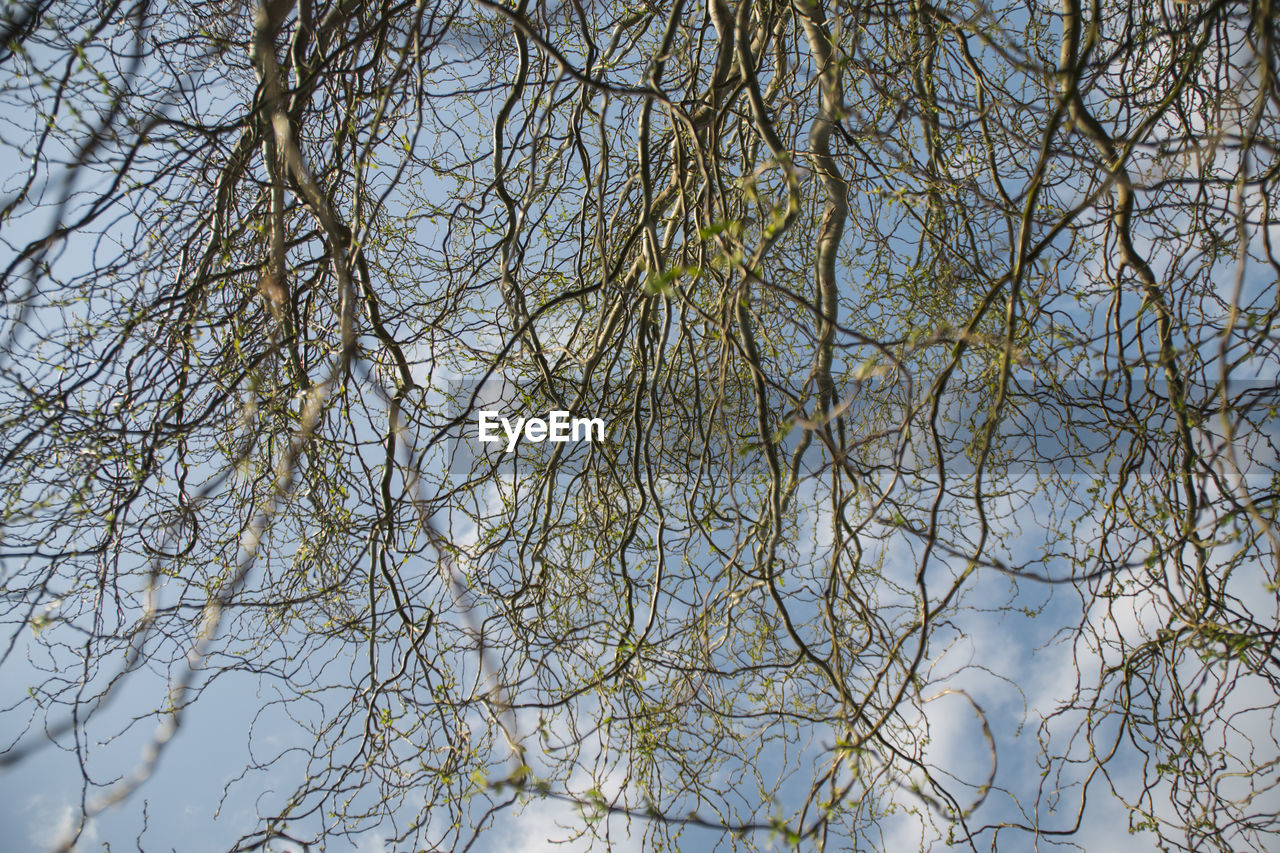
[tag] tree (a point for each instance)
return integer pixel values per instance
(909, 323)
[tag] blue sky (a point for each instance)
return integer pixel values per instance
(1003, 657)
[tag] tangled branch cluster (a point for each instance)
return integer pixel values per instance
(908, 320)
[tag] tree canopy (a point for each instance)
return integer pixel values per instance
(936, 347)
